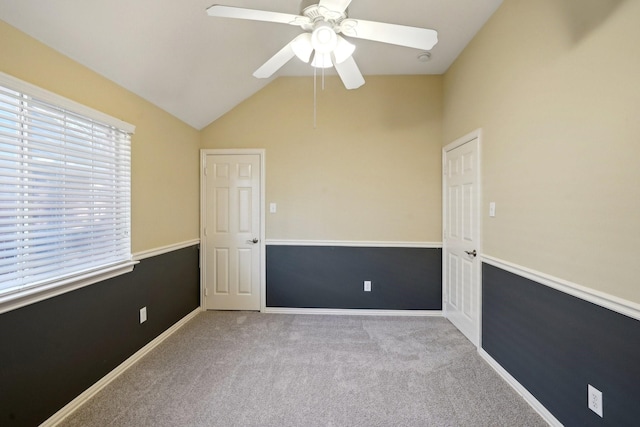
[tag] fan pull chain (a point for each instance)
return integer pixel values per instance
(315, 95)
(314, 98)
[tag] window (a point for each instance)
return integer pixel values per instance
(65, 190)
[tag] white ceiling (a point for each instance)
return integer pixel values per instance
(198, 68)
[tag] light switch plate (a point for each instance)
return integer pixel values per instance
(492, 209)
(272, 207)
(143, 314)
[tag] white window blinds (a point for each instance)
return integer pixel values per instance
(64, 191)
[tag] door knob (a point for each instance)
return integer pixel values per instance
(254, 241)
(472, 253)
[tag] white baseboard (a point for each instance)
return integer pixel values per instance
(528, 397)
(353, 312)
(70, 407)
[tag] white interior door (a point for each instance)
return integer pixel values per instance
(461, 235)
(231, 236)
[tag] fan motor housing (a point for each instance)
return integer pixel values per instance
(317, 13)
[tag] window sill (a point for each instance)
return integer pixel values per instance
(25, 297)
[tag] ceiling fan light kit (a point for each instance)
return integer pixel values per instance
(322, 44)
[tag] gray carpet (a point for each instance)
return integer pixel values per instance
(252, 369)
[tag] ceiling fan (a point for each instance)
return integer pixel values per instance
(322, 44)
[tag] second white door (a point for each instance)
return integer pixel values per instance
(230, 238)
(461, 269)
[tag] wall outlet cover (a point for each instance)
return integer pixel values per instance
(595, 399)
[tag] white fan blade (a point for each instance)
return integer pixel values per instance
(402, 35)
(350, 73)
(221, 11)
(335, 5)
(283, 56)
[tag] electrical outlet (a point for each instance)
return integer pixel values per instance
(595, 399)
(143, 314)
(367, 285)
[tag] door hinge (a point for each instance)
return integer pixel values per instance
(206, 292)
(206, 169)
(204, 232)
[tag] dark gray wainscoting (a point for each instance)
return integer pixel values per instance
(554, 344)
(54, 350)
(332, 277)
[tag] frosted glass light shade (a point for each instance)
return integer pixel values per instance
(323, 38)
(343, 50)
(302, 47)
(322, 60)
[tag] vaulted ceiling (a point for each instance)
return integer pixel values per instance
(198, 68)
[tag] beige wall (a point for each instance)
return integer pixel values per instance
(165, 176)
(370, 171)
(552, 83)
(555, 85)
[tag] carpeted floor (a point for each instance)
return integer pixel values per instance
(252, 369)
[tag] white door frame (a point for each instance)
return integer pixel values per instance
(476, 134)
(234, 151)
